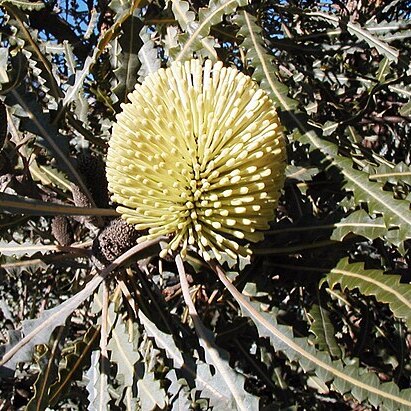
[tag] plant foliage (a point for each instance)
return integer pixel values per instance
(319, 315)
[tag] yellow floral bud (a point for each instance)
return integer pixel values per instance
(198, 154)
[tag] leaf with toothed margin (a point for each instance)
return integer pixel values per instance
(39, 62)
(98, 395)
(127, 60)
(345, 376)
(25, 4)
(384, 287)
(147, 55)
(195, 37)
(396, 213)
(265, 72)
(47, 357)
(75, 357)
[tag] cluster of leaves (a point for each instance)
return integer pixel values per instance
(318, 317)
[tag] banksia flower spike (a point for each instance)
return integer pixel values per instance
(198, 154)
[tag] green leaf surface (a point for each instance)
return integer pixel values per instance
(150, 62)
(41, 65)
(48, 364)
(123, 353)
(25, 4)
(323, 329)
(75, 358)
(386, 288)
(362, 384)
(196, 38)
(97, 386)
(265, 72)
(21, 205)
(38, 331)
(394, 174)
(150, 393)
(361, 33)
(127, 60)
(231, 383)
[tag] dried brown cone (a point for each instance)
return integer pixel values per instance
(92, 169)
(116, 238)
(3, 124)
(81, 200)
(62, 230)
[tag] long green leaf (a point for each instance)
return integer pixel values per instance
(231, 382)
(97, 386)
(323, 328)
(358, 222)
(70, 368)
(361, 33)
(396, 213)
(265, 71)
(48, 363)
(127, 60)
(25, 4)
(20, 205)
(31, 45)
(363, 385)
(386, 288)
(196, 39)
(38, 331)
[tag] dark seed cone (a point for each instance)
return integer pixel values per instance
(3, 124)
(62, 230)
(81, 200)
(116, 238)
(92, 168)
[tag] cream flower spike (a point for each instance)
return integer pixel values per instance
(198, 154)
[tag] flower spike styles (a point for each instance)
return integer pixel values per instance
(198, 154)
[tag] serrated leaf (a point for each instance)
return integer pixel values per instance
(383, 70)
(265, 72)
(386, 288)
(38, 331)
(323, 329)
(127, 61)
(405, 110)
(231, 383)
(123, 11)
(359, 223)
(122, 349)
(150, 393)
(362, 34)
(98, 395)
(183, 15)
(393, 174)
(48, 363)
(180, 393)
(72, 363)
(25, 4)
(74, 92)
(49, 175)
(196, 38)
(396, 213)
(147, 55)
(162, 339)
(362, 384)
(31, 45)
